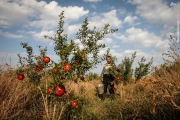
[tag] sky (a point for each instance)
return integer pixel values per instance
(143, 26)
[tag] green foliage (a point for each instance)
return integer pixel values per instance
(89, 39)
(92, 76)
(143, 68)
(126, 68)
(29, 64)
(62, 48)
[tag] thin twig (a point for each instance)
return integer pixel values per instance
(45, 103)
(54, 111)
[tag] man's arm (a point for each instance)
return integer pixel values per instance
(102, 73)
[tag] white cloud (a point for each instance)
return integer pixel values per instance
(40, 36)
(92, 0)
(21, 31)
(71, 13)
(121, 11)
(129, 51)
(93, 6)
(102, 51)
(105, 41)
(10, 35)
(100, 20)
(115, 46)
(73, 29)
(113, 52)
(130, 20)
(117, 54)
(94, 13)
(51, 44)
(142, 38)
(44, 24)
(166, 31)
(156, 11)
(45, 14)
(13, 13)
(77, 41)
(49, 16)
(4, 23)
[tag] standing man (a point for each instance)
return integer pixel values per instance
(107, 77)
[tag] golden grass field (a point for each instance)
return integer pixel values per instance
(151, 98)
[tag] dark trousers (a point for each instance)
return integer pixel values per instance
(106, 81)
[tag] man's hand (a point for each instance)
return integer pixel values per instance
(118, 68)
(111, 83)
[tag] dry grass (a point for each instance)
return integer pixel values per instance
(16, 96)
(87, 88)
(146, 99)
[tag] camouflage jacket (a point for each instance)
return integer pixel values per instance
(106, 68)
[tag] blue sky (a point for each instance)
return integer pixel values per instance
(144, 26)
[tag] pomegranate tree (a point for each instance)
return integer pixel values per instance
(73, 62)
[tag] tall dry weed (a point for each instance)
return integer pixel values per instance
(169, 74)
(14, 95)
(18, 99)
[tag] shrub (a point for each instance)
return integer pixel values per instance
(143, 68)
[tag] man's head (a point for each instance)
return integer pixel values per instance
(108, 59)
